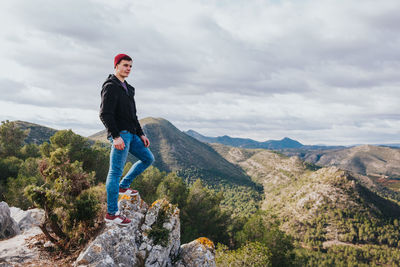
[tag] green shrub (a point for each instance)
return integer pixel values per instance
(71, 206)
(158, 233)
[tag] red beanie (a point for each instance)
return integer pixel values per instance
(119, 57)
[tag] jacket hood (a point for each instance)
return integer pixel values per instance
(112, 78)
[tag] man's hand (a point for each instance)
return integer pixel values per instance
(119, 143)
(145, 140)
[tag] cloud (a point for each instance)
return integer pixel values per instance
(318, 71)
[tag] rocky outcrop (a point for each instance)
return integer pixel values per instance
(199, 252)
(8, 226)
(152, 239)
(26, 219)
(21, 249)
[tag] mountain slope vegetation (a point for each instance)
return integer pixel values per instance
(382, 164)
(319, 206)
(38, 134)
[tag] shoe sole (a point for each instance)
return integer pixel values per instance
(131, 195)
(121, 224)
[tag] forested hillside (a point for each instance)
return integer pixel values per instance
(37, 134)
(321, 207)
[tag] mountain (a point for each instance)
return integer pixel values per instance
(38, 134)
(246, 142)
(283, 144)
(377, 162)
(390, 145)
(176, 151)
(99, 136)
(319, 206)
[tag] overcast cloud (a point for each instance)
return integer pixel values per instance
(325, 71)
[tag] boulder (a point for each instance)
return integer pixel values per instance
(8, 226)
(200, 252)
(27, 219)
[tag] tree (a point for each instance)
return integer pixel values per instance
(147, 183)
(202, 215)
(9, 167)
(173, 189)
(11, 139)
(264, 229)
(28, 174)
(94, 158)
(30, 151)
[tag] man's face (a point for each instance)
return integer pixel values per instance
(123, 68)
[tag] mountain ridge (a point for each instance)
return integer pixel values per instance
(285, 143)
(38, 134)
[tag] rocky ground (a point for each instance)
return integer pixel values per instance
(152, 239)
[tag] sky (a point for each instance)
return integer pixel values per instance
(320, 72)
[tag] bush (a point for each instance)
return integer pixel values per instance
(71, 206)
(252, 254)
(158, 233)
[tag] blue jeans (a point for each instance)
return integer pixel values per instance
(135, 146)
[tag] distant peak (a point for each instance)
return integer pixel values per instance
(149, 120)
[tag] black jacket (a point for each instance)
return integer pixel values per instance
(118, 109)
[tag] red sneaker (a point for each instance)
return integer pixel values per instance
(128, 191)
(117, 219)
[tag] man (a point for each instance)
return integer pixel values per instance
(118, 114)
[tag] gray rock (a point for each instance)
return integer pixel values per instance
(8, 226)
(159, 255)
(27, 219)
(132, 246)
(198, 253)
(117, 245)
(19, 250)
